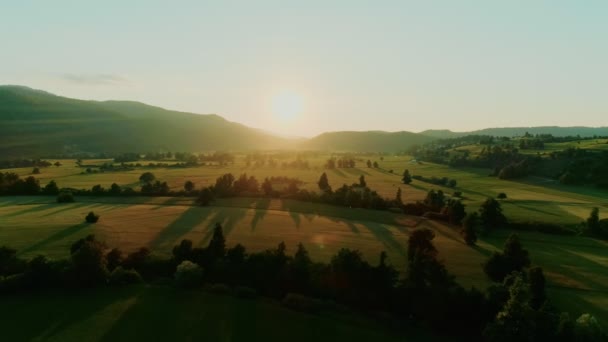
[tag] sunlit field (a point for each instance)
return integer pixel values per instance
(528, 199)
(574, 266)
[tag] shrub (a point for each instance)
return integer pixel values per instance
(501, 195)
(188, 274)
(65, 197)
(91, 217)
(120, 277)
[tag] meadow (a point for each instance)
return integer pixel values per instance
(574, 265)
(162, 313)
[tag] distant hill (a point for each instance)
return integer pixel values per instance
(369, 141)
(520, 131)
(35, 123)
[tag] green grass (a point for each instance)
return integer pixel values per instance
(158, 313)
(574, 266)
(532, 198)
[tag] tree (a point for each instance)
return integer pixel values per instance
(516, 320)
(91, 217)
(469, 223)
(369, 163)
(324, 183)
(362, 182)
(189, 186)
(407, 178)
(65, 197)
(217, 245)
(89, 262)
(398, 198)
(114, 259)
(513, 258)
(455, 211)
(36, 171)
(51, 188)
(147, 177)
(537, 281)
(188, 274)
(205, 197)
(490, 214)
(501, 195)
(57, 164)
(115, 189)
(267, 187)
(419, 242)
(593, 221)
(376, 165)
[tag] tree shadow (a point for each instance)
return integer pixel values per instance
(339, 173)
(227, 217)
(356, 171)
(60, 235)
(385, 236)
(260, 208)
(187, 221)
(31, 208)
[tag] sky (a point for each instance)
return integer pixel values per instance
(300, 68)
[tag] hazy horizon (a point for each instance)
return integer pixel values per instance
(303, 69)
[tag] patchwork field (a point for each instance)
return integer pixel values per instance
(575, 266)
(532, 198)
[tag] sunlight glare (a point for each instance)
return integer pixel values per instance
(287, 105)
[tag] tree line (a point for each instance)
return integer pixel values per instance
(514, 308)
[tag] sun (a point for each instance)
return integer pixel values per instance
(287, 105)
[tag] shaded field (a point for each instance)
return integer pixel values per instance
(532, 198)
(158, 313)
(575, 266)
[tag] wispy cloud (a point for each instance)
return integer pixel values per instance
(94, 79)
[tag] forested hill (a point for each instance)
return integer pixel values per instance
(521, 131)
(35, 123)
(368, 141)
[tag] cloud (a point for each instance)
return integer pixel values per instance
(94, 79)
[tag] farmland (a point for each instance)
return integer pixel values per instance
(574, 266)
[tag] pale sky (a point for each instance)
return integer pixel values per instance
(339, 65)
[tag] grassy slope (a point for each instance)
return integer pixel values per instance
(156, 313)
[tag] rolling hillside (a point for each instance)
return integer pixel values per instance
(369, 141)
(520, 131)
(35, 123)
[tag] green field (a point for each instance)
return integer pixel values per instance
(160, 313)
(575, 266)
(532, 198)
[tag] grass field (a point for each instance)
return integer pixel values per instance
(575, 266)
(159, 313)
(532, 198)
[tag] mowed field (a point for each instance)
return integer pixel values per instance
(575, 266)
(529, 199)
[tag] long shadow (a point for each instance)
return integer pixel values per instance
(356, 171)
(31, 208)
(188, 220)
(227, 217)
(260, 207)
(339, 173)
(384, 235)
(60, 235)
(66, 207)
(295, 215)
